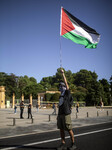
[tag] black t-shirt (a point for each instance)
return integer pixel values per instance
(21, 105)
(65, 108)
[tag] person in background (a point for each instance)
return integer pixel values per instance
(54, 107)
(77, 107)
(29, 111)
(64, 114)
(101, 105)
(15, 108)
(21, 109)
(37, 107)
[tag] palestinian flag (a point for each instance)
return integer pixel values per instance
(77, 31)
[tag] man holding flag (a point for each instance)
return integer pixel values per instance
(77, 31)
(64, 114)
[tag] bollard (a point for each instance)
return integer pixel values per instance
(107, 113)
(14, 121)
(87, 114)
(49, 117)
(97, 114)
(32, 120)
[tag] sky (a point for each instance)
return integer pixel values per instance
(30, 37)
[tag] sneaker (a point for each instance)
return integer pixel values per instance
(62, 147)
(73, 147)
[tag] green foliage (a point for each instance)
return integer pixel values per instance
(19, 85)
(48, 96)
(106, 96)
(110, 90)
(55, 97)
(52, 97)
(85, 78)
(83, 85)
(2, 78)
(79, 94)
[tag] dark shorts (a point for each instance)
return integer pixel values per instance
(64, 122)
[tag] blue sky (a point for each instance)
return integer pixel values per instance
(30, 37)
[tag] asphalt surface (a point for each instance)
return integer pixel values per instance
(92, 131)
(93, 137)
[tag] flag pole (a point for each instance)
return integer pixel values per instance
(60, 40)
(60, 54)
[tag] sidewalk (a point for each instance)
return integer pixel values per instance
(44, 121)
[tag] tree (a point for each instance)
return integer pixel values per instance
(55, 97)
(83, 85)
(79, 94)
(29, 86)
(45, 82)
(11, 85)
(2, 78)
(84, 78)
(22, 84)
(48, 96)
(33, 80)
(88, 80)
(106, 93)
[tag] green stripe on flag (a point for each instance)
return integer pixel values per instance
(79, 40)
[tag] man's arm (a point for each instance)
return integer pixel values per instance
(62, 71)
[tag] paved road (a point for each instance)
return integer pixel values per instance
(41, 121)
(94, 137)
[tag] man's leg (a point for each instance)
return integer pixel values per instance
(71, 135)
(28, 114)
(73, 146)
(62, 134)
(62, 146)
(20, 113)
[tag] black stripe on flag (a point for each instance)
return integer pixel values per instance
(80, 23)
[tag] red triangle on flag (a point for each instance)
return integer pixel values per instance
(66, 24)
